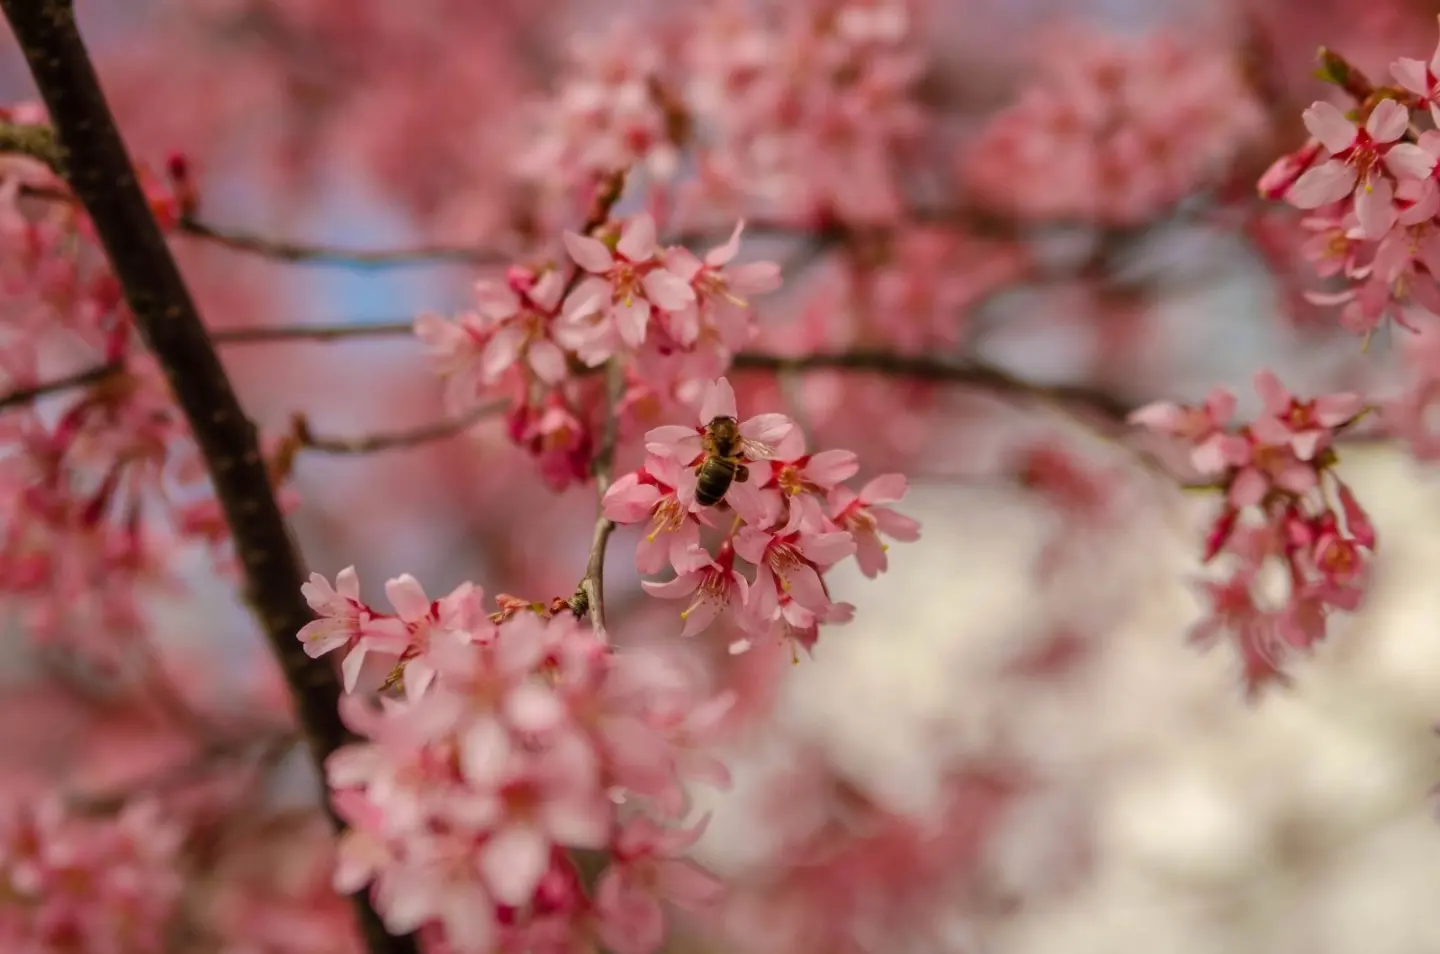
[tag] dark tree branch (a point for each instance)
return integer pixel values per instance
(98, 169)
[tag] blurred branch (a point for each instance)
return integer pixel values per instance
(317, 332)
(99, 171)
(79, 379)
(316, 254)
(307, 439)
(973, 374)
(264, 753)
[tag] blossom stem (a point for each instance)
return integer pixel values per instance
(99, 171)
(590, 594)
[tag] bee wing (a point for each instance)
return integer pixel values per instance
(756, 450)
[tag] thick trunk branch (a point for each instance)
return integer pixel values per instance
(98, 168)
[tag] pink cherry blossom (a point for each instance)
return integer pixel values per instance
(865, 517)
(713, 584)
(1362, 161)
(1422, 79)
(346, 621)
(623, 288)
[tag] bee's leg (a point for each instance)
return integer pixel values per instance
(742, 473)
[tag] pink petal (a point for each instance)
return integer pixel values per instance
(721, 254)
(495, 300)
(719, 402)
(678, 588)
(1375, 207)
(1323, 185)
(547, 361)
(754, 278)
(825, 549)
(408, 597)
(682, 262)
(700, 615)
(896, 526)
(1388, 121)
(547, 290)
(1248, 488)
(589, 296)
(1306, 444)
(887, 488)
(673, 440)
(804, 587)
(1410, 74)
(485, 752)
(1333, 409)
(347, 583)
(830, 467)
(751, 543)
(637, 242)
(589, 253)
(579, 821)
(748, 503)
(632, 320)
(1407, 160)
(1208, 457)
(1327, 124)
(350, 667)
(513, 861)
(667, 290)
(1163, 416)
(533, 708)
(1274, 395)
(629, 501)
(501, 352)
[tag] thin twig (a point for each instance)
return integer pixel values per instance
(394, 440)
(101, 175)
(981, 376)
(590, 594)
(79, 379)
(316, 332)
(319, 254)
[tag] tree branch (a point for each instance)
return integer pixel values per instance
(79, 379)
(100, 173)
(316, 332)
(313, 254)
(307, 439)
(971, 374)
(589, 598)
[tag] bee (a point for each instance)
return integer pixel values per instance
(723, 463)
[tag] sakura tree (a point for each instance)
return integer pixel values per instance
(732, 274)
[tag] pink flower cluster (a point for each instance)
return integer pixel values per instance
(1369, 178)
(104, 885)
(1089, 139)
(793, 520)
(1278, 470)
(520, 737)
(809, 108)
(673, 315)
